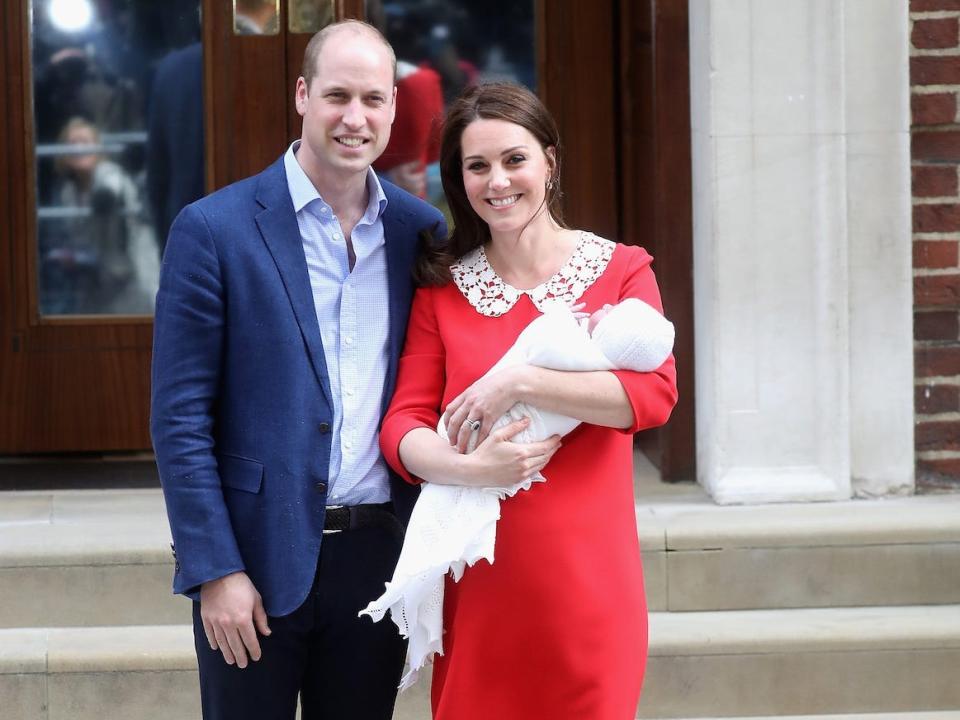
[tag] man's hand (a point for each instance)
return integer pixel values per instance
(232, 613)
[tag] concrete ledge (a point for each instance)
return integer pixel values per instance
(760, 632)
(858, 522)
(944, 715)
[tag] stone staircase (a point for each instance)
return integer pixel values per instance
(812, 612)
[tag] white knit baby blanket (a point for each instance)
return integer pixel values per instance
(454, 526)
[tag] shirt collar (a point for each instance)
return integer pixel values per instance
(303, 192)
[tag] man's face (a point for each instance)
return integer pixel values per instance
(349, 107)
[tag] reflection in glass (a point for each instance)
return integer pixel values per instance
(256, 17)
(311, 16)
(442, 48)
(119, 146)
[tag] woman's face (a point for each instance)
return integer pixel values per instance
(505, 172)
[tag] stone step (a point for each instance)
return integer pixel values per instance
(803, 661)
(91, 557)
(896, 660)
(944, 715)
(130, 672)
(77, 558)
(701, 557)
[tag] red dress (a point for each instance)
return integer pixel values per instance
(556, 627)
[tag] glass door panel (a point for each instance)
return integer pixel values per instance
(441, 49)
(118, 146)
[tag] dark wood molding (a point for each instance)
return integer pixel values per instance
(656, 199)
(577, 84)
(246, 122)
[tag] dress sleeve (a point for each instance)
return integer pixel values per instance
(652, 394)
(420, 382)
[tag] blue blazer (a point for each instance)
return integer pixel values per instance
(241, 407)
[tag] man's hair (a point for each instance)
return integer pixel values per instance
(358, 27)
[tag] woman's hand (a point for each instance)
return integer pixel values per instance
(497, 462)
(484, 402)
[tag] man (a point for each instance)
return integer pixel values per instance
(281, 313)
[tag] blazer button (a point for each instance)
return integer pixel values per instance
(321, 487)
(324, 427)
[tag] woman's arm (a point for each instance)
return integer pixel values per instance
(595, 397)
(622, 399)
(496, 462)
(408, 435)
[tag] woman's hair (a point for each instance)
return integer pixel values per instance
(491, 101)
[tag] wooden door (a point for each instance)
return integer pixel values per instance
(68, 381)
(612, 73)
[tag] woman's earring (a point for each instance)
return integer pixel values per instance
(549, 184)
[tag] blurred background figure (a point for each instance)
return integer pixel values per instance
(104, 70)
(443, 47)
(255, 17)
(100, 255)
(175, 148)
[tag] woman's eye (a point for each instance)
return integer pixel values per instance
(514, 159)
(475, 166)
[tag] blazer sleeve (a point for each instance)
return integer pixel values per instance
(653, 394)
(420, 382)
(187, 355)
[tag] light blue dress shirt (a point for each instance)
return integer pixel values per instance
(354, 315)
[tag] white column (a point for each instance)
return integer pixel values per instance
(801, 220)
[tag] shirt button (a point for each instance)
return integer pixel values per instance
(347, 444)
(324, 427)
(324, 210)
(348, 340)
(321, 487)
(336, 236)
(349, 391)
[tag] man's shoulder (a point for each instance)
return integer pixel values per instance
(242, 193)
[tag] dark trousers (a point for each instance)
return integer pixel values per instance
(343, 667)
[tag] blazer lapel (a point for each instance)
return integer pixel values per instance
(278, 226)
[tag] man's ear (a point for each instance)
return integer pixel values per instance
(300, 96)
(393, 106)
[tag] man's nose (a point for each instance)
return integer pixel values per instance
(353, 116)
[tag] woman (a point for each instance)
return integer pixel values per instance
(556, 626)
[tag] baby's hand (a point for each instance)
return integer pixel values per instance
(597, 317)
(578, 311)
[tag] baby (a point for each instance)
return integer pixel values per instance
(453, 526)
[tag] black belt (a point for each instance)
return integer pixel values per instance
(352, 517)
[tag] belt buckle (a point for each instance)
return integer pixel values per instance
(332, 532)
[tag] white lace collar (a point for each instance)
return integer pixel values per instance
(491, 296)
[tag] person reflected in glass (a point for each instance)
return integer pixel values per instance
(86, 261)
(255, 17)
(556, 627)
(175, 143)
(415, 139)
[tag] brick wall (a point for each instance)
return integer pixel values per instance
(935, 103)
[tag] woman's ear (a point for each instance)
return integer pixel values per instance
(551, 153)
